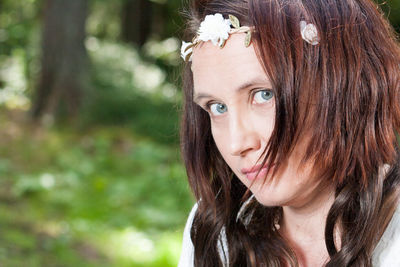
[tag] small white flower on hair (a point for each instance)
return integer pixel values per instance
(309, 33)
(214, 28)
(186, 49)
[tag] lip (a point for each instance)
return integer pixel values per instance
(256, 171)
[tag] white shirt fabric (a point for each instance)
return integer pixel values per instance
(386, 253)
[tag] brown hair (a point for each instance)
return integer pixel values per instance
(351, 82)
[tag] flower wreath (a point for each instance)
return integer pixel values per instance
(216, 28)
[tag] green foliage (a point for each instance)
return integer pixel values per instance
(112, 192)
(90, 198)
(131, 92)
(18, 20)
(392, 11)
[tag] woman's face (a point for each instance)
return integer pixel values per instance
(230, 84)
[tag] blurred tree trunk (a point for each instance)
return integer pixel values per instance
(136, 22)
(64, 60)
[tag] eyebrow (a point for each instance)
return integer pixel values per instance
(256, 81)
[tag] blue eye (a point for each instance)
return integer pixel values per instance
(218, 109)
(263, 96)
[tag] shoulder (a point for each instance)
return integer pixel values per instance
(386, 253)
(187, 253)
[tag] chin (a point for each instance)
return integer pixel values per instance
(269, 200)
(271, 195)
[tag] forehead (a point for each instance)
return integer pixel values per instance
(227, 67)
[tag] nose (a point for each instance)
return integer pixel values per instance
(243, 135)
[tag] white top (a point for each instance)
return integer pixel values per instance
(386, 253)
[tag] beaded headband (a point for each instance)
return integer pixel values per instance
(216, 28)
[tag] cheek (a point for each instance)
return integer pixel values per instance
(263, 126)
(220, 136)
(222, 141)
(263, 119)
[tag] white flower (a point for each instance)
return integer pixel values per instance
(185, 50)
(214, 28)
(309, 33)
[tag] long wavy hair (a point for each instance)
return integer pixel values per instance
(351, 83)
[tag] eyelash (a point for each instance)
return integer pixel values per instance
(255, 91)
(207, 106)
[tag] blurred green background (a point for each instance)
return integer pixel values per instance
(90, 98)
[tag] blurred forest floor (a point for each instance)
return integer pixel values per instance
(97, 197)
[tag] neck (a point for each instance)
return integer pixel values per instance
(304, 227)
(305, 218)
